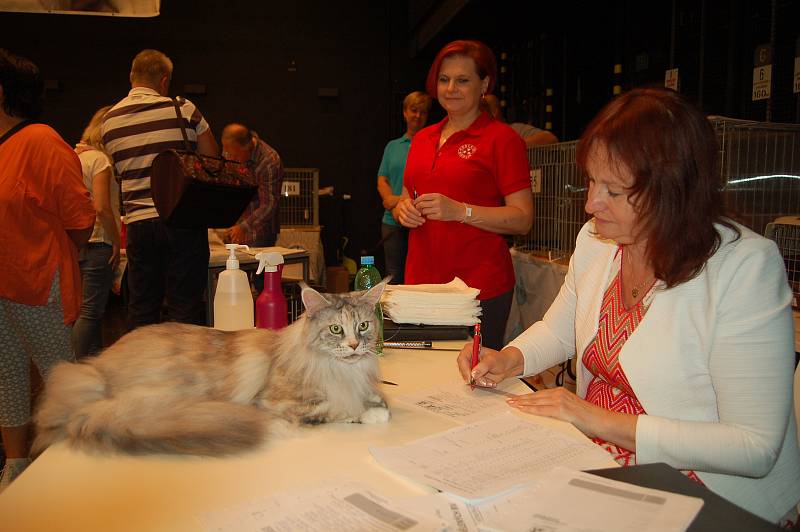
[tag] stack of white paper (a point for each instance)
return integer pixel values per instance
(453, 303)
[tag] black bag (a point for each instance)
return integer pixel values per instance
(193, 190)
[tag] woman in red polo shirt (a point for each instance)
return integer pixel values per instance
(466, 184)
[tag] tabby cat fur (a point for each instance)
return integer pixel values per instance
(177, 388)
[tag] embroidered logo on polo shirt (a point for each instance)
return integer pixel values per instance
(465, 151)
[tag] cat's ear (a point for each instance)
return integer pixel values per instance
(312, 300)
(373, 295)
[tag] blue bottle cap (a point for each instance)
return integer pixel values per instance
(367, 259)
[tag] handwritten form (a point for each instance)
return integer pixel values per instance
(456, 401)
(489, 457)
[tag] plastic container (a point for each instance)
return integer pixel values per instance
(233, 301)
(271, 309)
(367, 277)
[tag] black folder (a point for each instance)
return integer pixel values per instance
(715, 515)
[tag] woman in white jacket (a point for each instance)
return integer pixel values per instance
(681, 318)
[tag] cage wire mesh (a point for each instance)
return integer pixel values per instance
(294, 304)
(785, 231)
(759, 161)
(299, 201)
(559, 193)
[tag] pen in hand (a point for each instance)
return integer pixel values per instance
(476, 351)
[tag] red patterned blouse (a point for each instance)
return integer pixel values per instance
(609, 388)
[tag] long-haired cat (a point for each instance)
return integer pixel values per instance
(179, 388)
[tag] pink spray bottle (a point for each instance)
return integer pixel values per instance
(271, 310)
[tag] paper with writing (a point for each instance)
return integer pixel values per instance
(489, 457)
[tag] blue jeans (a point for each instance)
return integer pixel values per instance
(96, 276)
(166, 261)
(395, 249)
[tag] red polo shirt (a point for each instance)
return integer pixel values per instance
(480, 166)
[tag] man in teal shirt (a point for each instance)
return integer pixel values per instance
(390, 183)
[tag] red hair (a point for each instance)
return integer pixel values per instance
(671, 150)
(485, 63)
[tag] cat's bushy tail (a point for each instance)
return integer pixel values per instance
(75, 407)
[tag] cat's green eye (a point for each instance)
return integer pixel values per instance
(363, 326)
(336, 328)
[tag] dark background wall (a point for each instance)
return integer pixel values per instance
(264, 63)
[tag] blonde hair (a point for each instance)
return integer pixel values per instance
(149, 66)
(92, 135)
(418, 98)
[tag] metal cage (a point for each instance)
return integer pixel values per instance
(299, 201)
(294, 304)
(558, 200)
(759, 162)
(785, 231)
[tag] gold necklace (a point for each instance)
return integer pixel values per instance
(638, 288)
(635, 290)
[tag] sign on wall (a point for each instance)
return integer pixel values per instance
(108, 8)
(671, 79)
(762, 73)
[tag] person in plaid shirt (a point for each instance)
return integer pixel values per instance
(259, 224)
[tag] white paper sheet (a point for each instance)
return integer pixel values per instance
(489, 457)
(571, 501)
(456, 401)
(456, 514)
(341, 505)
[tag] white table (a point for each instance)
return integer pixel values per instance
(67, 490)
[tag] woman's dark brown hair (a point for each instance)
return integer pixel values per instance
(671, 150)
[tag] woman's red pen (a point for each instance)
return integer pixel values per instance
(476, 351)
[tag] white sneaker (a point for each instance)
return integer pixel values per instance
(14, 468)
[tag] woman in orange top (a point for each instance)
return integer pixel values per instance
(46, 215)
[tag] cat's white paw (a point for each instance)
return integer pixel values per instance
(376, 414)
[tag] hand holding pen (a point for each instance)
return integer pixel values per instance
(407, 214)
(492, 367)
(476, 352)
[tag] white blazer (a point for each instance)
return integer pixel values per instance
(711, 362)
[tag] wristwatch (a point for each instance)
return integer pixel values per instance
(467, 213)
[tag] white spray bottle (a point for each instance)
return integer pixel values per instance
(233, 301)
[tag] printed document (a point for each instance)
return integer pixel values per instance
(490, 457)
(572, 501)
(341, 505)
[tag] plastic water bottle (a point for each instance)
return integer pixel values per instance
(367, 277)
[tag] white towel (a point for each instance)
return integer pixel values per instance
(452, 303)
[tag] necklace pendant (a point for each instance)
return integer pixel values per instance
(635, 292)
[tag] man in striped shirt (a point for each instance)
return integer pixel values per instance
(162, 260)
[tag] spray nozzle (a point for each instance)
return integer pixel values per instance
(268, 261)
(233, 263)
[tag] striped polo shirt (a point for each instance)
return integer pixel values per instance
(137, 129)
